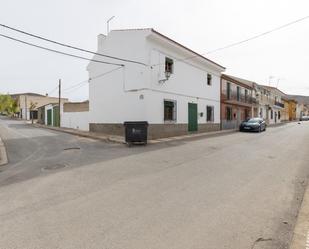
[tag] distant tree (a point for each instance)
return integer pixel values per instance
(15, 108)
(8, 105)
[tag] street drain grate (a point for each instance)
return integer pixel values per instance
(54, 166)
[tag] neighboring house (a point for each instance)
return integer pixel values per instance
(41, 115)
(270, 103)
(292, 109)
(76, 115)
(174, 89)
(302, 107)
(285, 111)
(263, 98)
(49, 114)
(237, 101)
(301, 110)
(52, 114)
(24, 101)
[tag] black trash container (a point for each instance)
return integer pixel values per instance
(136, 132)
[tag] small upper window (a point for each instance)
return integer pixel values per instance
(169, 65)
(246, 95)
(228, 90)
(209, 79)
(238, 93)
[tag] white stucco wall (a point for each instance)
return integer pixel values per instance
(266, 110)
(275, 113)
(133, 92)
(299, 111)
(75, 120)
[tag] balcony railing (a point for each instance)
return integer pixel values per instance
(279, 104)
(242, 98)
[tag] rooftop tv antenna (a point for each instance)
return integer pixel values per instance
(107, 23)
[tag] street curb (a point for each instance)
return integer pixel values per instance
(194, 136)
(120, 140)
(278, 124)
(77, 133)
(3, 154)
(301, 231)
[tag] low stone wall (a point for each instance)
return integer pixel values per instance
(171, 130)
(110, 129)
(154, 130)
(76, 107)
(229, 124)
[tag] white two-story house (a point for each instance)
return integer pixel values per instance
(174, 89)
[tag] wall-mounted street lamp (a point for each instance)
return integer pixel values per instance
(167, 76)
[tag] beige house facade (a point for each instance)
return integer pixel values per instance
(29, 103)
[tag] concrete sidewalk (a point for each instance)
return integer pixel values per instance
(301, 231)
(3, 155)
(121, 140)
(92, 135)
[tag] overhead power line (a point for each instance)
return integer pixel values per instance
(117, 58)
(72, 47)
(50, 92)
(59, 52)
(259, 35)
(103, 74)
(242, 41)
(75, 87)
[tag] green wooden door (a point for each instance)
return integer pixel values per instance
(56, 116)
(192, 117)
(49, 117)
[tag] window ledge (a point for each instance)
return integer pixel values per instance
(170, 122)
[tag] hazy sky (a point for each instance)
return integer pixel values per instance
(202, 25)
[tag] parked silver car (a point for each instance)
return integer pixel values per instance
(304, 118)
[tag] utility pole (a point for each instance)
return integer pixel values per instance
(26, 107)
(59, 102)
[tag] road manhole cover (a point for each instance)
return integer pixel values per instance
(54, 166)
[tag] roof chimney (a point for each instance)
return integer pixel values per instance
(101, 39)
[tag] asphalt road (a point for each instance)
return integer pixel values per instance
(238, 191)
